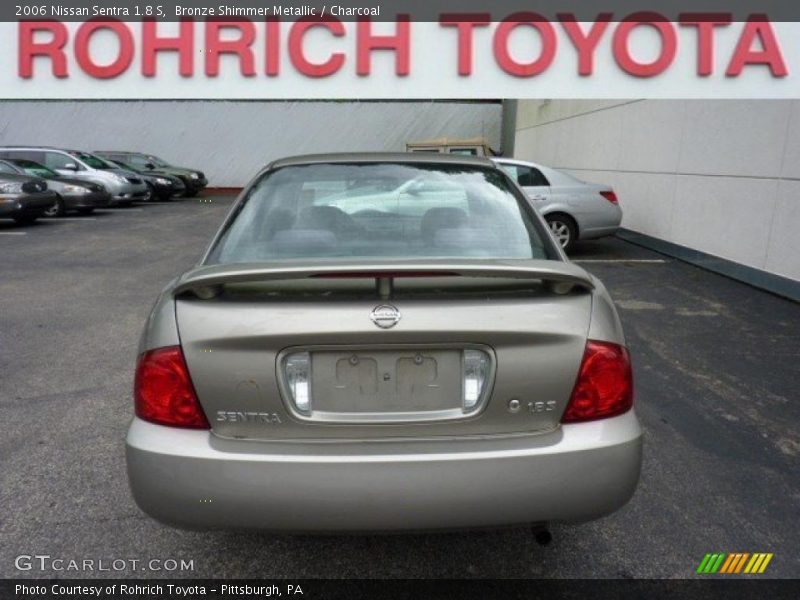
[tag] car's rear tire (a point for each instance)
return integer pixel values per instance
(563, 228)
(190, 193)
(57, 210)
(85, 211)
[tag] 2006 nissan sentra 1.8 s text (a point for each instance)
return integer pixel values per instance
(382, 342)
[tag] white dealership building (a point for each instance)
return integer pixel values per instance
(721, 177)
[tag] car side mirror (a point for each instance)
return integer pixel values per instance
(150, 166)
(71, 167)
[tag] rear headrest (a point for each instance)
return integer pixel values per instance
(465, 238)
(278, 219)
(322, 217)
(303, 242)
(441, 218)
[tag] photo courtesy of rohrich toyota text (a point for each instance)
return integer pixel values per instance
(399, 299)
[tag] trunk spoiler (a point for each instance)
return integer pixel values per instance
(206, 282)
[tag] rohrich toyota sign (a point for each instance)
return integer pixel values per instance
(466, 55)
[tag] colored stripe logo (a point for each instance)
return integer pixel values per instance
(734, 563)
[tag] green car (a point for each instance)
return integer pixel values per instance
(194, 180)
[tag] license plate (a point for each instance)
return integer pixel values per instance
(386, 381)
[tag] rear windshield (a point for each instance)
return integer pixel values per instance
(394, 211)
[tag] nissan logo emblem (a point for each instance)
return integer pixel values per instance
(385, 316)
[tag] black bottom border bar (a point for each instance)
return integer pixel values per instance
(731, 588)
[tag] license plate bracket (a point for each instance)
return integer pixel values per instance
(387, 384)
(376, 381)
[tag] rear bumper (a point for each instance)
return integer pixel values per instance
(194, 479)
(598, 232)
(599, 223)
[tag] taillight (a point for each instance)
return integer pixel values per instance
(605, 384)
(163, 392)
(610, 196)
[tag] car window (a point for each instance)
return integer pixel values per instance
(26, 154)
(6, 168)
(137, 160)
(158, 162)
(388, 210)
(118, 161)
(56, 160)
(33, 168)
(92, 161)
(525, 176)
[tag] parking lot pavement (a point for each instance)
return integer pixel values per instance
(716, 367)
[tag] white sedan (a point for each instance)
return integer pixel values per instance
(574, 209)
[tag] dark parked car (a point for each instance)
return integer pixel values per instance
(124, 186)
(194, 180)
(162, 186)
(71, 194)
(24, 198)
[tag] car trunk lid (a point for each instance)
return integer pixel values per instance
(477, 347)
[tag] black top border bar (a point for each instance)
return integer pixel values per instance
(393, 10)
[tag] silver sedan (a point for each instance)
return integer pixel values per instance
(574, 209)
(382, 342)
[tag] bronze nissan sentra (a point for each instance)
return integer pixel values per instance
(382, 342)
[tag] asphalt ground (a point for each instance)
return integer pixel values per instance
(717, 368)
